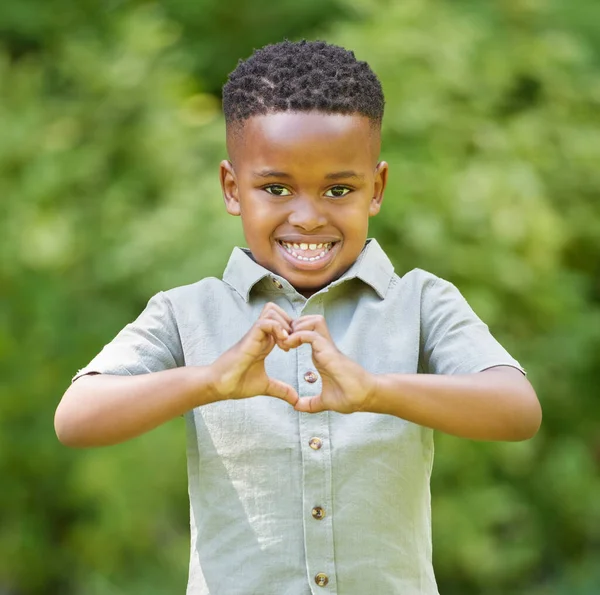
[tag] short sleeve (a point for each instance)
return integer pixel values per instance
(149, 344)
(453, 338)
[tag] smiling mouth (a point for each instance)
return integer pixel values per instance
(307, 252)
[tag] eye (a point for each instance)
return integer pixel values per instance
(277, 190)
(338, 191)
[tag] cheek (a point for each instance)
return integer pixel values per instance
(260, 218)
(354, 217)
(254, 209)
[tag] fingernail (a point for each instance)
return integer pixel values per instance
(285, 333)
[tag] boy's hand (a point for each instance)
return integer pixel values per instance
(346, 386)
(240, 371)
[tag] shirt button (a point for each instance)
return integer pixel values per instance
(310, 376)
(315, 443)
(277, 283)
(321, 579)
(318, 513)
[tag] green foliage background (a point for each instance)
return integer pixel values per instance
(110, 137)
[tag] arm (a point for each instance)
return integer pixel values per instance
(496, 404)
(103, 409)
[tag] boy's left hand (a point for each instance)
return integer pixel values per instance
(346, 386)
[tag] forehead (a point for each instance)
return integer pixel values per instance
(304, 139)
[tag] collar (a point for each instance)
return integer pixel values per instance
(373, 267)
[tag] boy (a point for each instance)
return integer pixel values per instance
(289, 495)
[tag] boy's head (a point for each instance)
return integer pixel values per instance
(303, 135)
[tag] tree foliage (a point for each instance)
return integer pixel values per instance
(111, 138)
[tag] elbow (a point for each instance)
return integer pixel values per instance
(67, 430)
(533, 426)
(63, 430)
(519, 416)
(530, 418)
(524, 412)
(73, 421)
(525, 431)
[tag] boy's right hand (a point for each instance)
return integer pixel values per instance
(240, 372)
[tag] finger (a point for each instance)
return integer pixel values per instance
(317, 340)
(310, 404)
(275, 315)
(312, 323)
(272, 307)
(281, 390)
(268, 327)
(274, 329)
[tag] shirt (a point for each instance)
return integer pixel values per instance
(290, 503)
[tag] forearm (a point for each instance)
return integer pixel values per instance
(103, 409)
(497, 404)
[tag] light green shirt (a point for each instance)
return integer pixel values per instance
(294, 503)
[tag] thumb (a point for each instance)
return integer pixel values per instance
(310, 404)
(281, 390)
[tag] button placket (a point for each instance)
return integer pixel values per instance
(316, 485)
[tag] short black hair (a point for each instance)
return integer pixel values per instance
(302, 76)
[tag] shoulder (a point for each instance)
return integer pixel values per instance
(425, 291)
(417, 283)
(419, 278)
(206, 298)
(207, 288)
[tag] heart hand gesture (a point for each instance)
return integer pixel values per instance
(240, 372)
(346, 386)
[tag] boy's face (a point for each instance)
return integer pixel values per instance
(305, 185)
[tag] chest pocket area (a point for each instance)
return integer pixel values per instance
(246, 429)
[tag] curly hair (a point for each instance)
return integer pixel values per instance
(302, 76)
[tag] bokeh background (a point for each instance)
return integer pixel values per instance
(110, 139)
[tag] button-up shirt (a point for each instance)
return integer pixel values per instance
(290, 503)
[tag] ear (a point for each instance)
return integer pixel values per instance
(229, 187)
(381, 173)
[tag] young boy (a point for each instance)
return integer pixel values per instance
(310, 376)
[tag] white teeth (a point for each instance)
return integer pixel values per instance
(304, 246)
(291, 249)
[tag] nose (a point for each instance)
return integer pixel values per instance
(306, 214)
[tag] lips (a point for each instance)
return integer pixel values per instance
(308, 255)
(307, 251)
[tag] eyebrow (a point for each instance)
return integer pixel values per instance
(338, 175)
(271, 174)
(343, 175)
